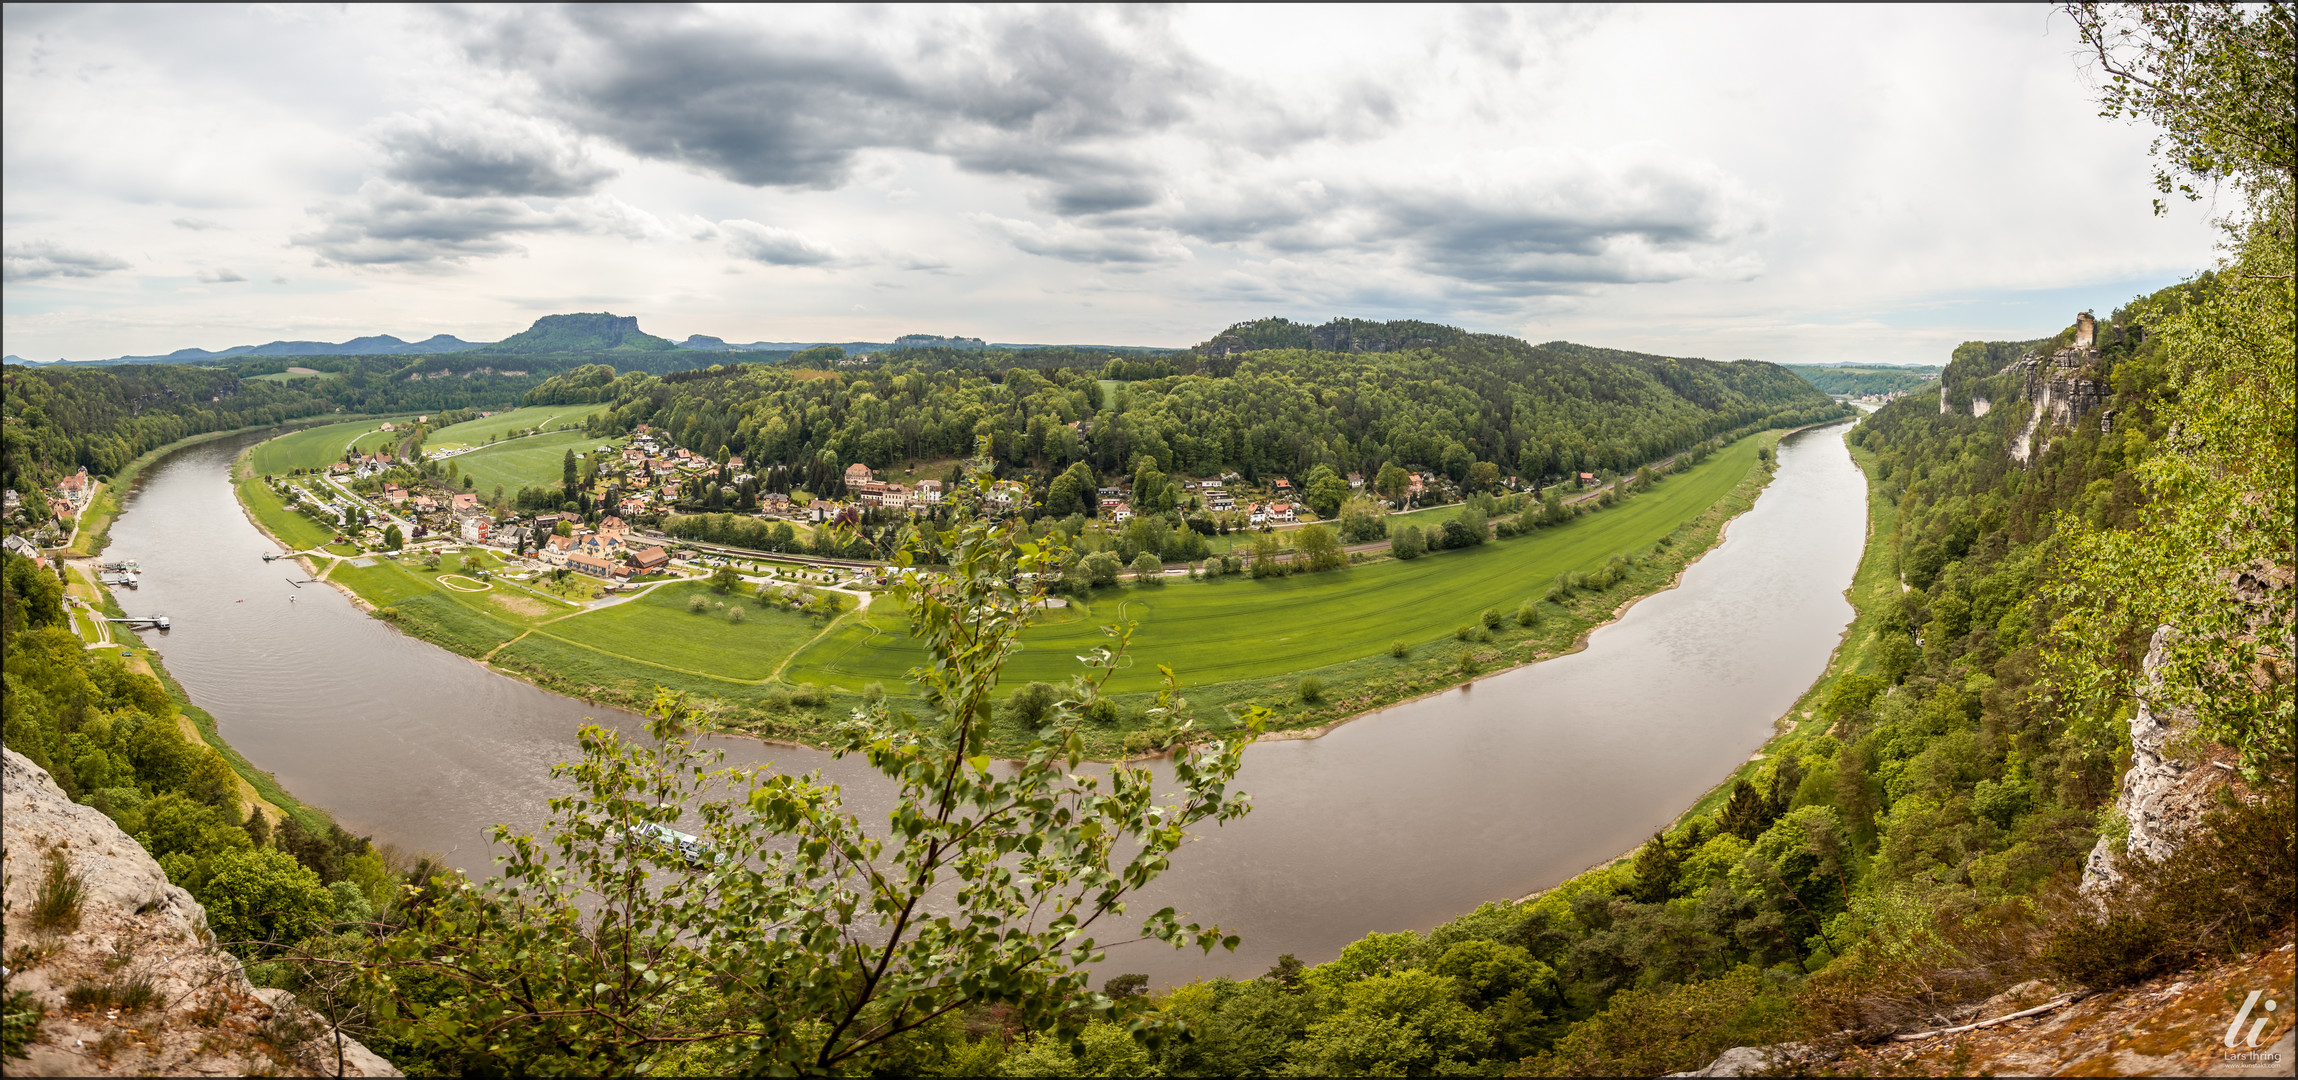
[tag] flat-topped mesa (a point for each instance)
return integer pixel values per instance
(2065, 386)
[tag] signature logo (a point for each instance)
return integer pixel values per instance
(2234, 1030)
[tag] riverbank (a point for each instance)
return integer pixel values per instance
(258, 787)
(1873, 585)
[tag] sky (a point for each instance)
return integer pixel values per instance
(1799, 184)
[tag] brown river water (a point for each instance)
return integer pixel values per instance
(1398, 820)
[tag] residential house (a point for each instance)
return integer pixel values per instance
(590, 564)
(76, 487)
(1282, 513)
(423, 504)
(555, 550)
(858, 473)
(478, 528)
(1257, 514)
(9, 500)
(465, 503)
(734, 462)
(650, 560)
(394, 494)
(1355, 480)
(929, 491)
(1117, 512)
(612, 527)
(1587, 478)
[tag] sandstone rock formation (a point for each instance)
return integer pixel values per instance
(2162, 797)
(2061, 386)
(137, 935)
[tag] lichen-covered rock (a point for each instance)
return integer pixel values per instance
(135, 930)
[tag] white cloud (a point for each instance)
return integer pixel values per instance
(36, 260)
(219, 276)
(1748, 182)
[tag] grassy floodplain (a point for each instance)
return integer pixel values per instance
(1237, 642)
(537, 461)
(311, 448)
(479, 432)
(1232, 629)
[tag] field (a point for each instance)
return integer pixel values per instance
(478, 432)
(291, 376)
(310, 448)
(533, 462)
(1234, 628)
(295, 530)
(658, 628)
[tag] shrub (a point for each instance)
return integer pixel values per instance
(1528, 615)
(808, 696)
(1464, 633)
(2117, 950)
(1312, 689)
(735, 616)
(1493, 619)
(1399, 649)
(134, 993)
(56, 909)
(1468, 662)
(1648, 1032)
(874, 693)
(696, 604)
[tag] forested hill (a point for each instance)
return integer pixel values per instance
(1535, 411)
(59, 419)
(1851, 380)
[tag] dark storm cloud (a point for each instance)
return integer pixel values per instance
(997, 92)
(35, 260)
(477, 154)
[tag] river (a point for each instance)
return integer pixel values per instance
(1398, 820)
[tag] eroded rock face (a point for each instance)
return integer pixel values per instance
(2161, 797)
(136, 928)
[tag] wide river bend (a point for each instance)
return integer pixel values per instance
(1398, 820)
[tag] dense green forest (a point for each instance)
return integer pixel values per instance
(1534, 411)
(1850, 381)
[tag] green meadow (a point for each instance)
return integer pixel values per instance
(310, 448)
(539, 461)
(291, 376)
(486, 428)
(661, 628)
(294, 529)
(1235, 628)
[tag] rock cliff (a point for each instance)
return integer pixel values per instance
(134, 984)
(2162, 797)
(2064, 387)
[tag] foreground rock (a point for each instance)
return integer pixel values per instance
(155, 996)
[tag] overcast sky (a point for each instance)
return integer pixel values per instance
(1799, 184)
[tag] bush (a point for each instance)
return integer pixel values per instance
(735, 616)
(696, 604)
(1493, 619)
(56, 909)
(1312, 689)
(2104, 953)
(1399, 649)
(1468, 662)
(1464, 633)
(1528, 615)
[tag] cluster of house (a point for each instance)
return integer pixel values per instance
(362, 466)
(892, 495)
(64, 504)
(609, 551)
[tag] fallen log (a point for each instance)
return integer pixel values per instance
(1919, 1036)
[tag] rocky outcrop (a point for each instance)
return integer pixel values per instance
(137, 986)
(2063, 387)
(2162, 797)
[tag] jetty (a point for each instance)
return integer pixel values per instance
(142, 622)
